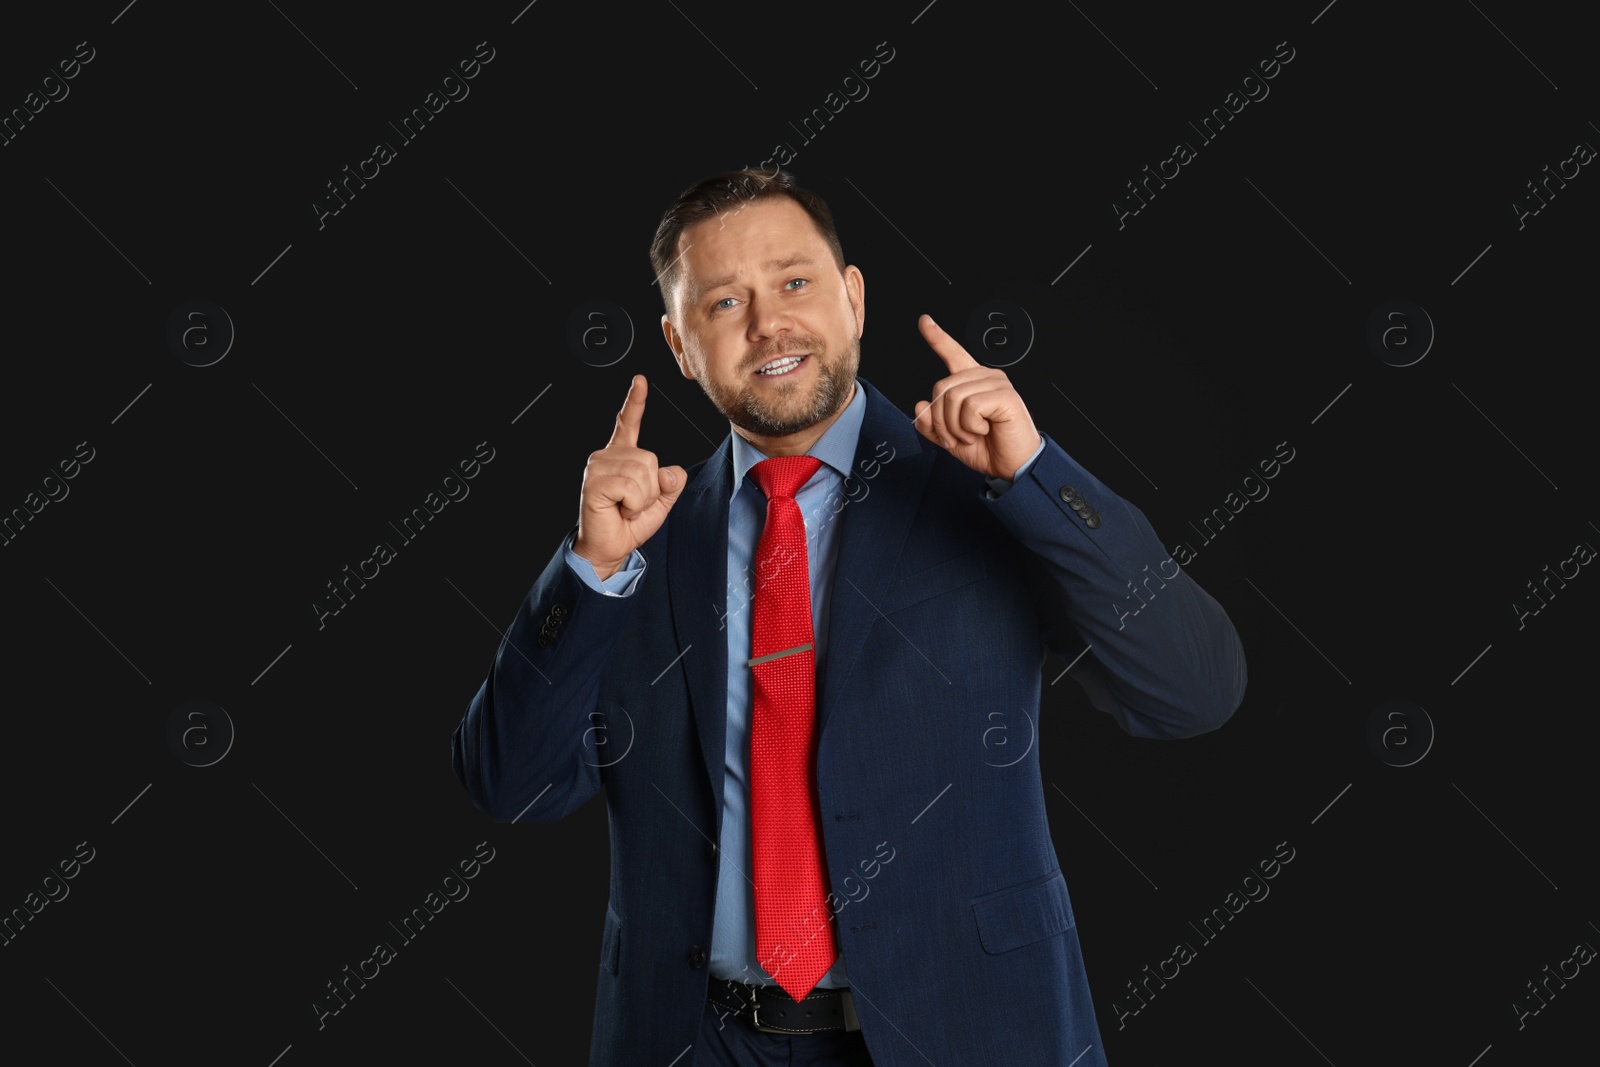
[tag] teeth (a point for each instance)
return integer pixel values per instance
(781, 364)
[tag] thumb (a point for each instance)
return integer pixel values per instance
(673, 481)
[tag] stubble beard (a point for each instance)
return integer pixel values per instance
(782, 414)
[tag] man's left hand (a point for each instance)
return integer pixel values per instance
(976, 414)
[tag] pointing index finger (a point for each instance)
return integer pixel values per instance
(944, 346)
(626, 432)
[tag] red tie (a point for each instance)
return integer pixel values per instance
(794, 932)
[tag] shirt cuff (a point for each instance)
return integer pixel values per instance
(998, 486)
(619, 584)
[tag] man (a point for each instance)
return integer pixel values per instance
(787, 665)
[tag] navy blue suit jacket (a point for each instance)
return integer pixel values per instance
(949, 903)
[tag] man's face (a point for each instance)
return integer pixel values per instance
(756, 284)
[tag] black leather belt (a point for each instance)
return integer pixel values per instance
(773, 1011)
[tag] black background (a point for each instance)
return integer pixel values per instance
(1178, 350)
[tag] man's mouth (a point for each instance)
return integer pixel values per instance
(782, 365)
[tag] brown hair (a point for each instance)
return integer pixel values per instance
(724, 194)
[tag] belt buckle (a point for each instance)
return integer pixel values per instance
(755, 1017)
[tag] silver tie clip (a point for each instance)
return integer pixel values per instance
(778, 655)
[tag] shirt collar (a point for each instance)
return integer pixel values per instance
(836, 447)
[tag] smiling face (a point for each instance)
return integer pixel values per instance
(754, 285)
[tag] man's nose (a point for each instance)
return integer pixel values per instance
(769, 317)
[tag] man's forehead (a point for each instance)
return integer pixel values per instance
(763, 237)
(748, 230)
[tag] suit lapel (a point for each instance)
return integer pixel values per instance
(697, 571)
(891, 467)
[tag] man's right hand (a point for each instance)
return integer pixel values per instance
(626, 496)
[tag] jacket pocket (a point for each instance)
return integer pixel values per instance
(940, 578)
(1024, 913)
(611, 942)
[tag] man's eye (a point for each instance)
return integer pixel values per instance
(718, 306)
(791, 281)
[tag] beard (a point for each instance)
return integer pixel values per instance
(790, 407)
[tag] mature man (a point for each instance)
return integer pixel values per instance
(786, 664)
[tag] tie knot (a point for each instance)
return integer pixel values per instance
(782, 476)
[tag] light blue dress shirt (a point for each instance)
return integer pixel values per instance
(822, 499)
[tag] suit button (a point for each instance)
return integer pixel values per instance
(558, 611)
(545, 639)
(1093, 522)
(697, 957)
(1068, 494)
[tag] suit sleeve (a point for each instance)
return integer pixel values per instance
(999, 486)
(1163, 659)
(526, 748)
(619, 584)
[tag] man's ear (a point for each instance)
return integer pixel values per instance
(855, 287)
(675, 343)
